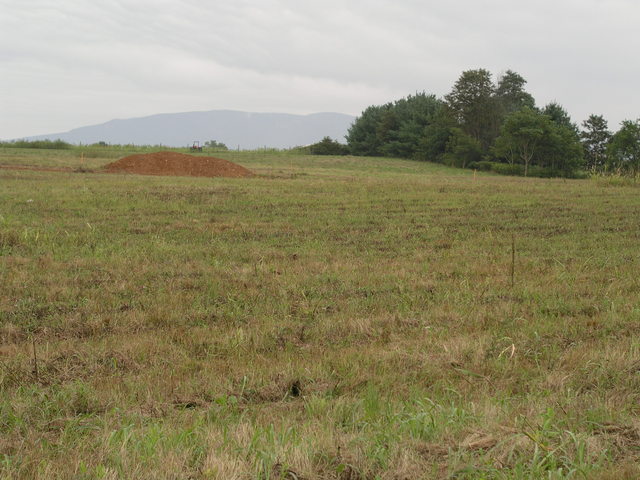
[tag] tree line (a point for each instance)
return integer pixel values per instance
(494, 126)
(41, 144)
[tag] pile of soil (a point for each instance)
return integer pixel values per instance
(177, 164)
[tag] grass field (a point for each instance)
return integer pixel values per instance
(341, 318)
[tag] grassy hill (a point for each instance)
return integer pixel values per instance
(343, 318)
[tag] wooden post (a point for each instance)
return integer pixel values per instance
(513, 258)
(35, 359)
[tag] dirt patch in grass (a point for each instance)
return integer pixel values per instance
(177, 164)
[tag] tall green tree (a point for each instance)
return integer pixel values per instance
(511, 94)
(432, 144)
(474, 106)
(528, 137)
(559, 116)
(362, 136)
(416, 112)
(522, 135)
(387, 127)
(595, 136)
(462, 149)
(624, 149)
(562, 150)
(394, 129)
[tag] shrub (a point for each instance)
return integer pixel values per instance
(328, 146)
(45, 144)
(483, 166)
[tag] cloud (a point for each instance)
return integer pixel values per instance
(69, 63)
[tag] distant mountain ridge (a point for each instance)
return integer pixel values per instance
(234, 128)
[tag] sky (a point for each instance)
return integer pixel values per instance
(71, 63)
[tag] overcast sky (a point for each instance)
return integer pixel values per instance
(71, 63)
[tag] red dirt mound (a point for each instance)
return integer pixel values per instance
(177, 164)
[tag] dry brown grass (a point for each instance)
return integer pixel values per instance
(332, 319)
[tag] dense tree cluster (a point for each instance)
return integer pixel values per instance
(394, 129)
(494, 126)
(595, 138)
(623, 150)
